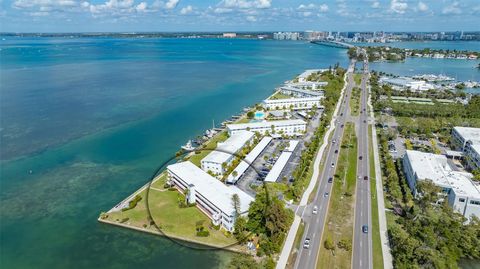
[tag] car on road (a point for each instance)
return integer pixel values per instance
(360, 157)
(336, 151)
(364, 121)
(333, 141)
(325, 194)
(315, 210)
(365, 229)
(365, 178)
(330, 179)
(341, 126)
(341, 114)
(306, 243)
(333, 165)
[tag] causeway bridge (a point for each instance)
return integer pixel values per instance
(331, 43)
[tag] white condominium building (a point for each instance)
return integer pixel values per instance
(467, 139)
(463, 193)
(217, 160)
(293, 103)
(211, 196)
(288, 127)
(299, 92)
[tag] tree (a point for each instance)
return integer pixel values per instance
(240, 229)
(236, 204)
(250, 114)
(329, 245)
(242, 261)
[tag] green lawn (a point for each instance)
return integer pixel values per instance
(357, 78)
(279, 95)
(355, 102)
(340, 217)
(172, 220)
(296, 245)
(377, 244)
(208, 147)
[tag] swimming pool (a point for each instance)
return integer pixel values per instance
(259, 115)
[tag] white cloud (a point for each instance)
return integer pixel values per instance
(186, 10)
(307, 14)
(245, 4)
(452, 9)
(323, 8)
(221, 10)
(171, 4)
(313, 7)
(142, 7)
(375, 4)
(397, 6)
(422, 6)
(251, 18)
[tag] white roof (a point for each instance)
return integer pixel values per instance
(292, 144)
(249, 159)
(469, 133)
(215, 191)
(293, 100)
(276, 123)
(294, 89)
(229, 147)
(278, 167)
(435, 168)
(308, 72)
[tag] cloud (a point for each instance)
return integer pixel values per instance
(313, 7)
(422, 6)
(323, 8)
(186, 10)
(251, 18)
(142, 7)
(245, 4)
(452, 9)
(398, 7)
(171, 4)
(375, 5)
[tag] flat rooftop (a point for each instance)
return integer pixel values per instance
(263, 124)
(229, 147)
(211, 188)
(293, 100)
(436, 168)
(469, 133)
(308, 92)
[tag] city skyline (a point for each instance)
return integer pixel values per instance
(236, 15)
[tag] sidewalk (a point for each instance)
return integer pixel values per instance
(387, 256)
(287, 247)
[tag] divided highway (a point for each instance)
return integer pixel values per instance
(315, 223)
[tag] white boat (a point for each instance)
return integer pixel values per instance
(188, 146)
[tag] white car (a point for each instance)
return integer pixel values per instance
(306, 244)
(315, 210)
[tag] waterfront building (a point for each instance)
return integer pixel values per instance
(217, 160)
(467, 140)
(210, 195)
(287, 127)
(299, 92)
(462, 192)
(292, 103)
(403, 83)
(304, 76)
(229, 35)
(286, 36)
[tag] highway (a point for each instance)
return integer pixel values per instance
(362, 240)
(315, 223)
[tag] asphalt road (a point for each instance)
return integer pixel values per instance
(314, 223)
(362, 240)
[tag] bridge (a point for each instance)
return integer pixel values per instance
(331, 43)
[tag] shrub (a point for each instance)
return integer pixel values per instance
(203, 233)
(124, 220)
(133, 203)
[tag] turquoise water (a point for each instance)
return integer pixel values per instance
(259, 115)
(456, 45)
(93, 118)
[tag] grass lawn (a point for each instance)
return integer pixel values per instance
(340, 213)
(355, 102)
(279, 95)
(377, 244)
(357, 78)
(205, 149)
(172, 220)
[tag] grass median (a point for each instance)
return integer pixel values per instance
(336, 246)
(377, 244)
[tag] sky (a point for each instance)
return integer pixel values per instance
(237, 15)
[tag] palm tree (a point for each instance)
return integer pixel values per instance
(236, 204)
